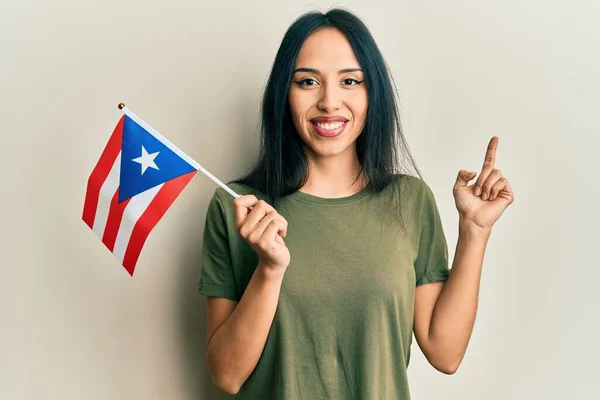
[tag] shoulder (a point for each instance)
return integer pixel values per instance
(412, 187)
(416, 195)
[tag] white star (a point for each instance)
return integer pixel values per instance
(146, 160)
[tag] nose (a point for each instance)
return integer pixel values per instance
(330, 98)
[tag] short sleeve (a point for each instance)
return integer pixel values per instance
(216, 267)
(431, 264)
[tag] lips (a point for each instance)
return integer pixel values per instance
(329, 126)
(328, 120)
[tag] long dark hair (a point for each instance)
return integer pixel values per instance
(282, 166)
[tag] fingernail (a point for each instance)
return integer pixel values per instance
(484, 196)
(477, 191)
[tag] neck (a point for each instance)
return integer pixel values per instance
(334, 177)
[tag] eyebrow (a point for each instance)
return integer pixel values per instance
(315, 71)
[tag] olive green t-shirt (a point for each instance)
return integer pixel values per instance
(344, 319)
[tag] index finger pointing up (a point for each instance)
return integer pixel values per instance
(490, 154)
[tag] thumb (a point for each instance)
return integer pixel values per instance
(463, 178)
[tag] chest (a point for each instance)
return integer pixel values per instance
(339, 262)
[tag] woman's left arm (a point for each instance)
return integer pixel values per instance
(445, 311)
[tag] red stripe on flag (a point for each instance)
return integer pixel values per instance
(156, 209)
(113, 221)
(100, 173)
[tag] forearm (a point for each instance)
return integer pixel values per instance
(237, 345)
(454, 314)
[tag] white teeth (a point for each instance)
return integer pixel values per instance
(330, 127)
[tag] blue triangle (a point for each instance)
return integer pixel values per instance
(134, 180)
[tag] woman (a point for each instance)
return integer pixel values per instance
(317, 276)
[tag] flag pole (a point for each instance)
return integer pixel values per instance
(174, 148)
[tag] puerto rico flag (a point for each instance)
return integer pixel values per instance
(137, 178)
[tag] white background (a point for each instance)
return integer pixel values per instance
(75, 325)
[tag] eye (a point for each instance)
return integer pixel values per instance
(352, 82)
(307, 82)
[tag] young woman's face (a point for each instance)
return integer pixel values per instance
(328, 95)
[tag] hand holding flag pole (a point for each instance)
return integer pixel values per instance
(138, 176)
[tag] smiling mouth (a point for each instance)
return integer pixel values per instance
(330, 129)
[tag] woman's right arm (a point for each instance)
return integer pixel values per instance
(237, 331)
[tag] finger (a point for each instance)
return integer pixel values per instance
(283, 232)
(488, 165)
(245, 200)
(240, 208)
(463, 178)
(257, 231)
(508, 193)
(262, 225)
(261, 208)
(490, 154)
(271, 233)
(284, 223)
(494, 176)
(483, 176)
(505, 191)
(498, 187)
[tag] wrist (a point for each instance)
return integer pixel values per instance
(269, 272)
(469, 229)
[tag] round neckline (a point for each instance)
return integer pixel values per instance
(330, 201)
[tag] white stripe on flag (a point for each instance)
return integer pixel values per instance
(107, 191)
(134, 209)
